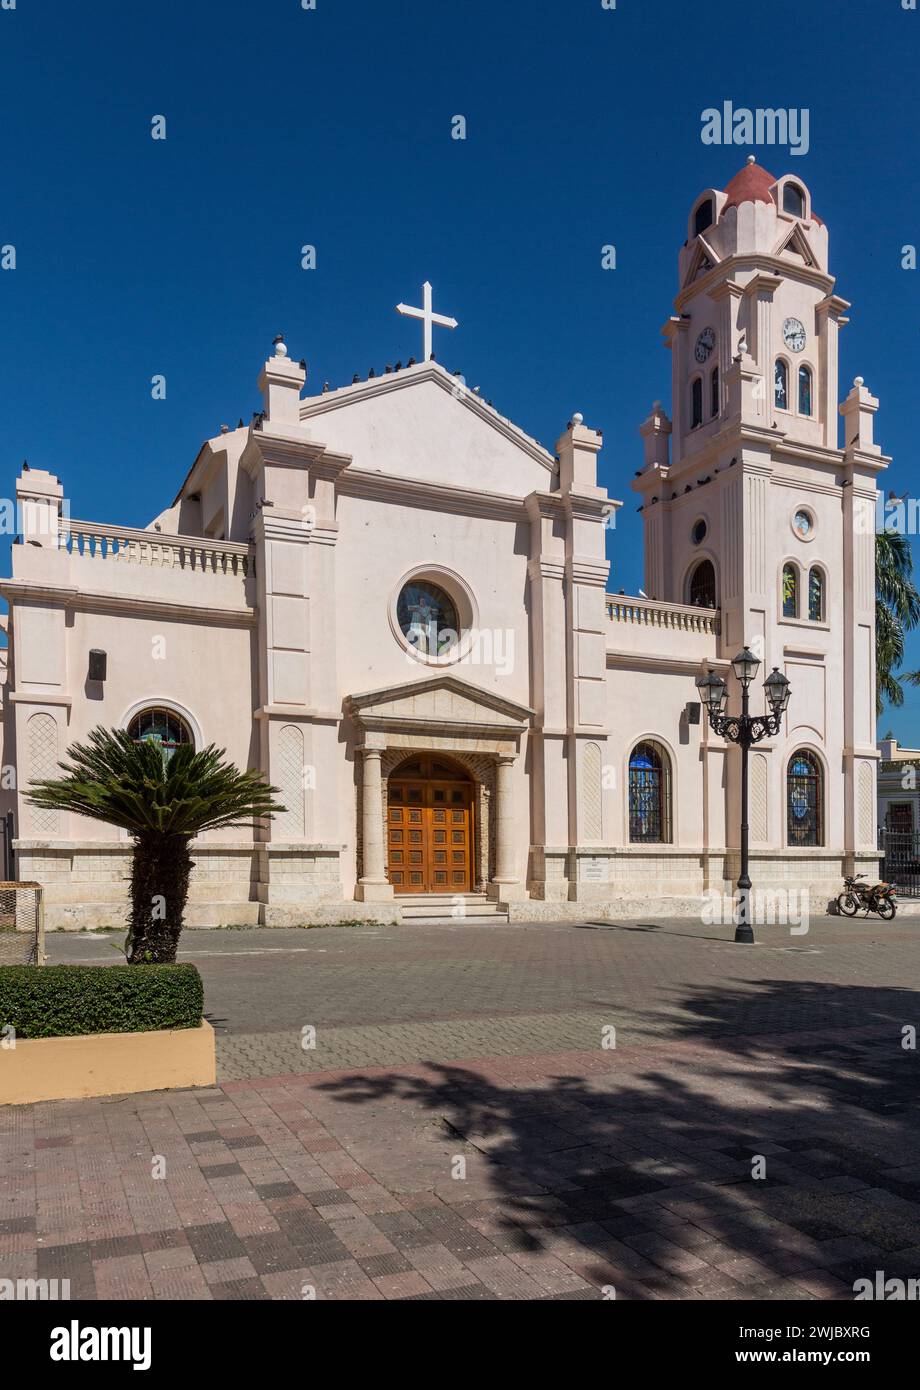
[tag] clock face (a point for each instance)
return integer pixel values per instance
(705, 344)
(794, 335)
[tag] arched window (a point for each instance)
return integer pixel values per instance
(715, 400)
(696, 402)
(781, 385)
(790, 591)
(702, 217)
(816, 595)
(804, 801)
(649, 794)
(804, 390)
(703, 585)
(793, 200)
(160, 726)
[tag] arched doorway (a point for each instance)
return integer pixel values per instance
(429, 826)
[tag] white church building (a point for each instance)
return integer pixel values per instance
(397, 604)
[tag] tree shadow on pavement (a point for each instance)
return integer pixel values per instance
(639, 1167)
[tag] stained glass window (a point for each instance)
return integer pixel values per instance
(159, 726)
(427, 618)
(815, 595)
(649, 794)
(804, 390)
(804, 801)
(790, 591)
(781, 386)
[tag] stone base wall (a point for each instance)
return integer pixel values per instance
(283, 885)
(86, 884)
(289, 873)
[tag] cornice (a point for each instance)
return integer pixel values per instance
(544, 504)
(452, 727)
(757, 261)
(89, 600)
(298, 714)
(291, 449)
(420, 492)
(38, 697)
(585, 569)
(638, 661)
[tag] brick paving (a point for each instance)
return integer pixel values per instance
(462, 1128)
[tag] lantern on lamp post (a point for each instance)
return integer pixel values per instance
(745, 730)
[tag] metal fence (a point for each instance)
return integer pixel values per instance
(22, 924)
(7, 836)
(901, 864)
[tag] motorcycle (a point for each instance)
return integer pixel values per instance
(873, 897)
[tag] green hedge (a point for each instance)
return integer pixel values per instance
(58, 1001)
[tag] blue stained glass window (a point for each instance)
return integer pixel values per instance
(649, 795)
(804, 390)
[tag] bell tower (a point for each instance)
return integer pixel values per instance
(751, 507)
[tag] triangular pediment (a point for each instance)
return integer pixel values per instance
(795, 243)
(702, 261)
(428, 425)
(440, 700)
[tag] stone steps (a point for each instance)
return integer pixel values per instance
(429, 909)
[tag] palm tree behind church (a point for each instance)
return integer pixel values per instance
(163, 799)
(897, 611)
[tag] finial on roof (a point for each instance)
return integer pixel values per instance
(225, 429)
(325, 387)
(858, 381)
(578, 418)
(279, 346)
(752, 159)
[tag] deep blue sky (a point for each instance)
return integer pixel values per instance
(332, 127)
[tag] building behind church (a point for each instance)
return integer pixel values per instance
(396, 603)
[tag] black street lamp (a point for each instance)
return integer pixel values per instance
(745, 730)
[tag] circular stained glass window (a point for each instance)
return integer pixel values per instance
(159, 726)
(427, 618)
(803, 523)
(698, 534)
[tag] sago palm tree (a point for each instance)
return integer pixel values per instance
(897, 610)
(163, 802)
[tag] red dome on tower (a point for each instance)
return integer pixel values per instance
(751, 184)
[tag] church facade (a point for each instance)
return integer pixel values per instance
(397, 604)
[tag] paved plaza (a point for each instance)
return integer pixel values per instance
(557, 1111)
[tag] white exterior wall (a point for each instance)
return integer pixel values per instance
(279, 639)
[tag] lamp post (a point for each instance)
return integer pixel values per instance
(745, 730)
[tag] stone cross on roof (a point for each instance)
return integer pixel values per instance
(428, 317)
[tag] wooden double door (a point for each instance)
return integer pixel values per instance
(429, 827)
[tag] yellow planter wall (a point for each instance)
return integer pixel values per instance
(106, 1064)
